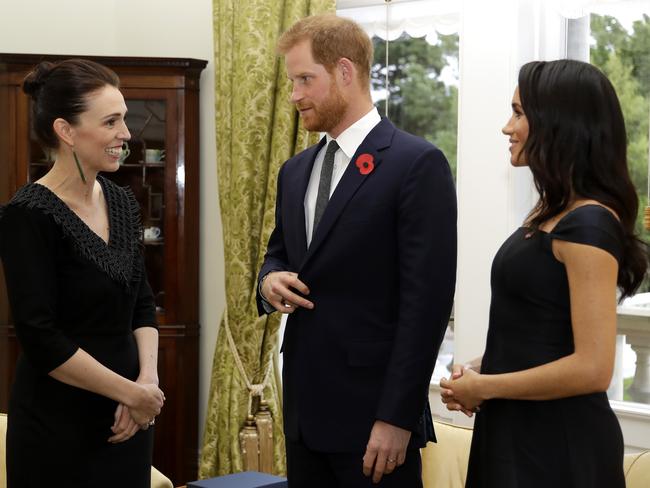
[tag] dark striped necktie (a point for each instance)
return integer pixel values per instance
(324, 183)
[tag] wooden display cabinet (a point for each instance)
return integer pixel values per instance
(162, 96)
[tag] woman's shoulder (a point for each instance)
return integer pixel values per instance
(594, 224)
(29, 214)
(590, 213)
(31, 201)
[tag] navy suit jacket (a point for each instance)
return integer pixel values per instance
(381, 270)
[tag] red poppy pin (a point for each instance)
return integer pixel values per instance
(365, 163)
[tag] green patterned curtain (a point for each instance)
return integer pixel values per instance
(257, 130)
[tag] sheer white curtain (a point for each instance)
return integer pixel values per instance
(418, 18)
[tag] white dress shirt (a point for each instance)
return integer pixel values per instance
(349, 141)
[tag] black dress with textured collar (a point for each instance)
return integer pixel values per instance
(68, 289)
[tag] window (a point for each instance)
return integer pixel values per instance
(422, 87)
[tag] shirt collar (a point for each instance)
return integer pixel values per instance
(351, 138)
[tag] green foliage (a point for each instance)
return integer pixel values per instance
(419, 102)
(638, 53)
(610, 37)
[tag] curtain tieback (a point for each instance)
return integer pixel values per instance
(256, 436)
(254, 389)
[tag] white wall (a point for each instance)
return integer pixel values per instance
(483, 170)
(494, 197)
(160, 28)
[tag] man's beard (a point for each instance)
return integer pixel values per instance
(329, 114)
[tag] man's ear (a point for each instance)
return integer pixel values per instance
(347, 70)
(64, 131)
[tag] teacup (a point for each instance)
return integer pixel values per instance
(154, 156)
(151, 233)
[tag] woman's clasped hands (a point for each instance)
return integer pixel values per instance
(462, 391)
(144, 405)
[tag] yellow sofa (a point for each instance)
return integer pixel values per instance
(158, 480)
(444, 465)
(637, 470)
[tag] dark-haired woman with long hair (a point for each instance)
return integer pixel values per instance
(86, 386)
(540, 388)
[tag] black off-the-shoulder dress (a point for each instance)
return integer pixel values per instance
(572, 442)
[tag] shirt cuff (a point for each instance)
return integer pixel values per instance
(268, 308)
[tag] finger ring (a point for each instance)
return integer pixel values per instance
(152, 421)
(391, 460)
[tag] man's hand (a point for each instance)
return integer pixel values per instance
(277, 290)
(386, 450)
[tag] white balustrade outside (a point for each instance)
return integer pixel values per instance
(633, 328)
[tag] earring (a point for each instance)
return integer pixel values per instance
(125, 152)
(81, 172)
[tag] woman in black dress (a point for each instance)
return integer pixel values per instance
(544, 418)
(86, 388)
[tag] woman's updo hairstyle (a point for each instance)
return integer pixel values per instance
(60, 90)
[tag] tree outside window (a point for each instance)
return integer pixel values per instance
(423, 88)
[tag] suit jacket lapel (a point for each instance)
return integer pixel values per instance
(296, 188)
(378, 139)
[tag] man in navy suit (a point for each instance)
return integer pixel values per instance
(363, 258)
